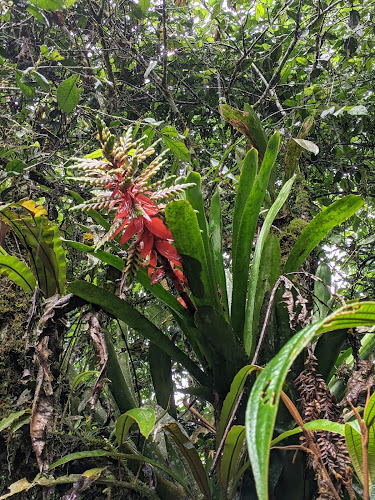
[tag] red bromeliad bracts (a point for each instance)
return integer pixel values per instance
(134, 199)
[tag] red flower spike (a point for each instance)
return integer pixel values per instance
(180, 275)
(148, 206)
(134, 226)
(182, 302)
(153, 262)
(166, 249)
(146, 241)
(157, 227)
(157, 276)
(124, 207)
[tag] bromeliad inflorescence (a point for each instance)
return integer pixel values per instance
(138, 202)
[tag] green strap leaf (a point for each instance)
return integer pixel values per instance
(315, 425)
(264, 398)
(125, 312)
(232, 398)
(12, 418)
(161, 374)
(18, 272)
(183, 223)
(319, 227)
(215, 225)
(242, 252)
(125, 456)
(122, 391)
(245, 185)
(195, 198)
(269, 272)
(249, 330)
(144, 417)
(190, 454)
(232, 449)
(321, 292)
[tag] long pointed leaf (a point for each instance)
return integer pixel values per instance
(232, 398)
(269, 272)
(249, 340)
(231, 453)
(241, 256)
(183, 224)
(315, 425)
(195, 198)
(319, 227)
(190, 454)
(161, 374)
(125, 456)
(120, 389)
(264, 398)
(125, 312)
(215, 226)
(18, 272)
(245, 185)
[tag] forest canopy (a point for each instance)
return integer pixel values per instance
(187, 249)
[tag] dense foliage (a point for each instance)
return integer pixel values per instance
(186, 209)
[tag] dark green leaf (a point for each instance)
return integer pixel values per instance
(215, 226)
(232, 398)
(195, 197)
(50, 4)
(39, 16)
(125, 312)
(319, 227)
(247, 178)
(161, 373)
(68, 94)
(232, 449)
(178, 148)
(26, 90)
(191, 456)
(354, 18)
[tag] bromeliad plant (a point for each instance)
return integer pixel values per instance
(222, 323)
